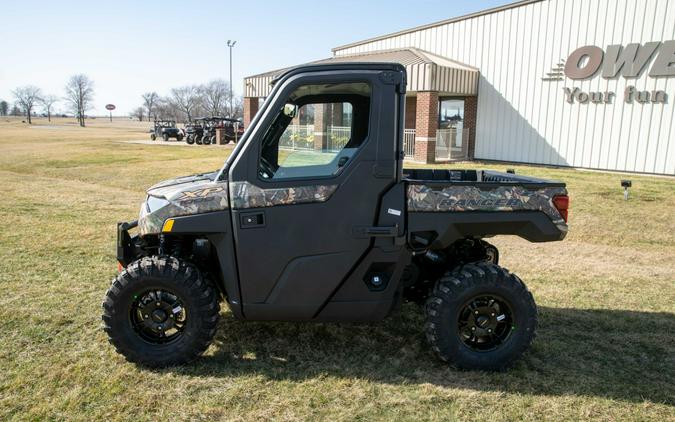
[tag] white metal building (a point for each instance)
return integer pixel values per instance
(582, 83)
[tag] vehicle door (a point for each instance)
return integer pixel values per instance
(308, 181)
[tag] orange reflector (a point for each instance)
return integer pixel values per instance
(168, 225)
(120, 268)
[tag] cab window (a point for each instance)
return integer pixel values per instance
(317, 133)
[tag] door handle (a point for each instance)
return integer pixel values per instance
(248, 220)
(381, 231)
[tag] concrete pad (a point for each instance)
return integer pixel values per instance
(173, 143)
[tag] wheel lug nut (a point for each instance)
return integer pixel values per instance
(492, 314)
(158, 303)
(489, 330)
(473, 328)
(145, 316)
(476, 312)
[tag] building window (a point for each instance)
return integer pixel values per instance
(451, 113)
(451, 136)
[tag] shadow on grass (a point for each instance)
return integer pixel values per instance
(614, 354)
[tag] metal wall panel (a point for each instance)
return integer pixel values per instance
(526, 119)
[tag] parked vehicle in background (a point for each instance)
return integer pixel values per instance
(234, 129)
(210, 125)
(194, 131)
(231, 129)
(166, 129)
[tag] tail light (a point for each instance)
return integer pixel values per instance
(562, 204)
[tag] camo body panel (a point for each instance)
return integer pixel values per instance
(193, 198)
(203, 177)
(199, 194)
(425, 198)
(247, 195)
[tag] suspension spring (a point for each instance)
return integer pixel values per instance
(164, 245)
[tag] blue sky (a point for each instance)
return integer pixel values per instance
(129, 47)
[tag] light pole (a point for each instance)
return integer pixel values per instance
(230, 44)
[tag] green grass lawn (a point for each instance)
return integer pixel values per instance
(605, 347)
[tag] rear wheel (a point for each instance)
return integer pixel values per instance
(153, 137)
(206, 140)
(190, 140)
(480, 316)
(179, 138)
(160, 311)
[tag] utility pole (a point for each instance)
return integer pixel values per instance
(230, 44)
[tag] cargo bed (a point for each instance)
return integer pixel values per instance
(445, 205)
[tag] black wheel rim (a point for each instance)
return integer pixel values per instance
(158, 316)
(485, 323)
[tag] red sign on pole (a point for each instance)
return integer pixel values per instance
(110, 108)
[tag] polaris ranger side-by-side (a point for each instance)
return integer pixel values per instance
(165, 129)
(337, 232)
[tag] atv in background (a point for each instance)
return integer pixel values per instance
(210, 126)
(194, 131)
(166, 129)
(234, 129)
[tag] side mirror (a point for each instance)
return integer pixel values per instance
(290, 110)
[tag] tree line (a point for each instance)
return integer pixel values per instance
(79, 95)
(188, 102)
(182, 104)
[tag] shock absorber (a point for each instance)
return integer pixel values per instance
(177, 248)
(164, 245)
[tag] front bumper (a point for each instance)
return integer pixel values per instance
(126, 245)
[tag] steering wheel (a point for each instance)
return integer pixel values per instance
(266, 171)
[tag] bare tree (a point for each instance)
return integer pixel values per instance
(48, 102)
(138, 113)
(166, 109)
(26, 98)
(4, 108)
(79, 95)
(216, 95)
(186, 99)
(150, 100)
(238, 112)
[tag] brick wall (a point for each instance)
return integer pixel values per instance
(410, 112)
(251, 105)
(470, 110)
(426, 124)
(321, 120)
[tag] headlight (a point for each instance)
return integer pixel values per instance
(154, 203)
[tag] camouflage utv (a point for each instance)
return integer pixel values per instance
(326, 231)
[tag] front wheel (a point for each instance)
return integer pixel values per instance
(153, 137)
(160, 311)
(480, 316)
(165, 137)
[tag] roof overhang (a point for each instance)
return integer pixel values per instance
(426, 72)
